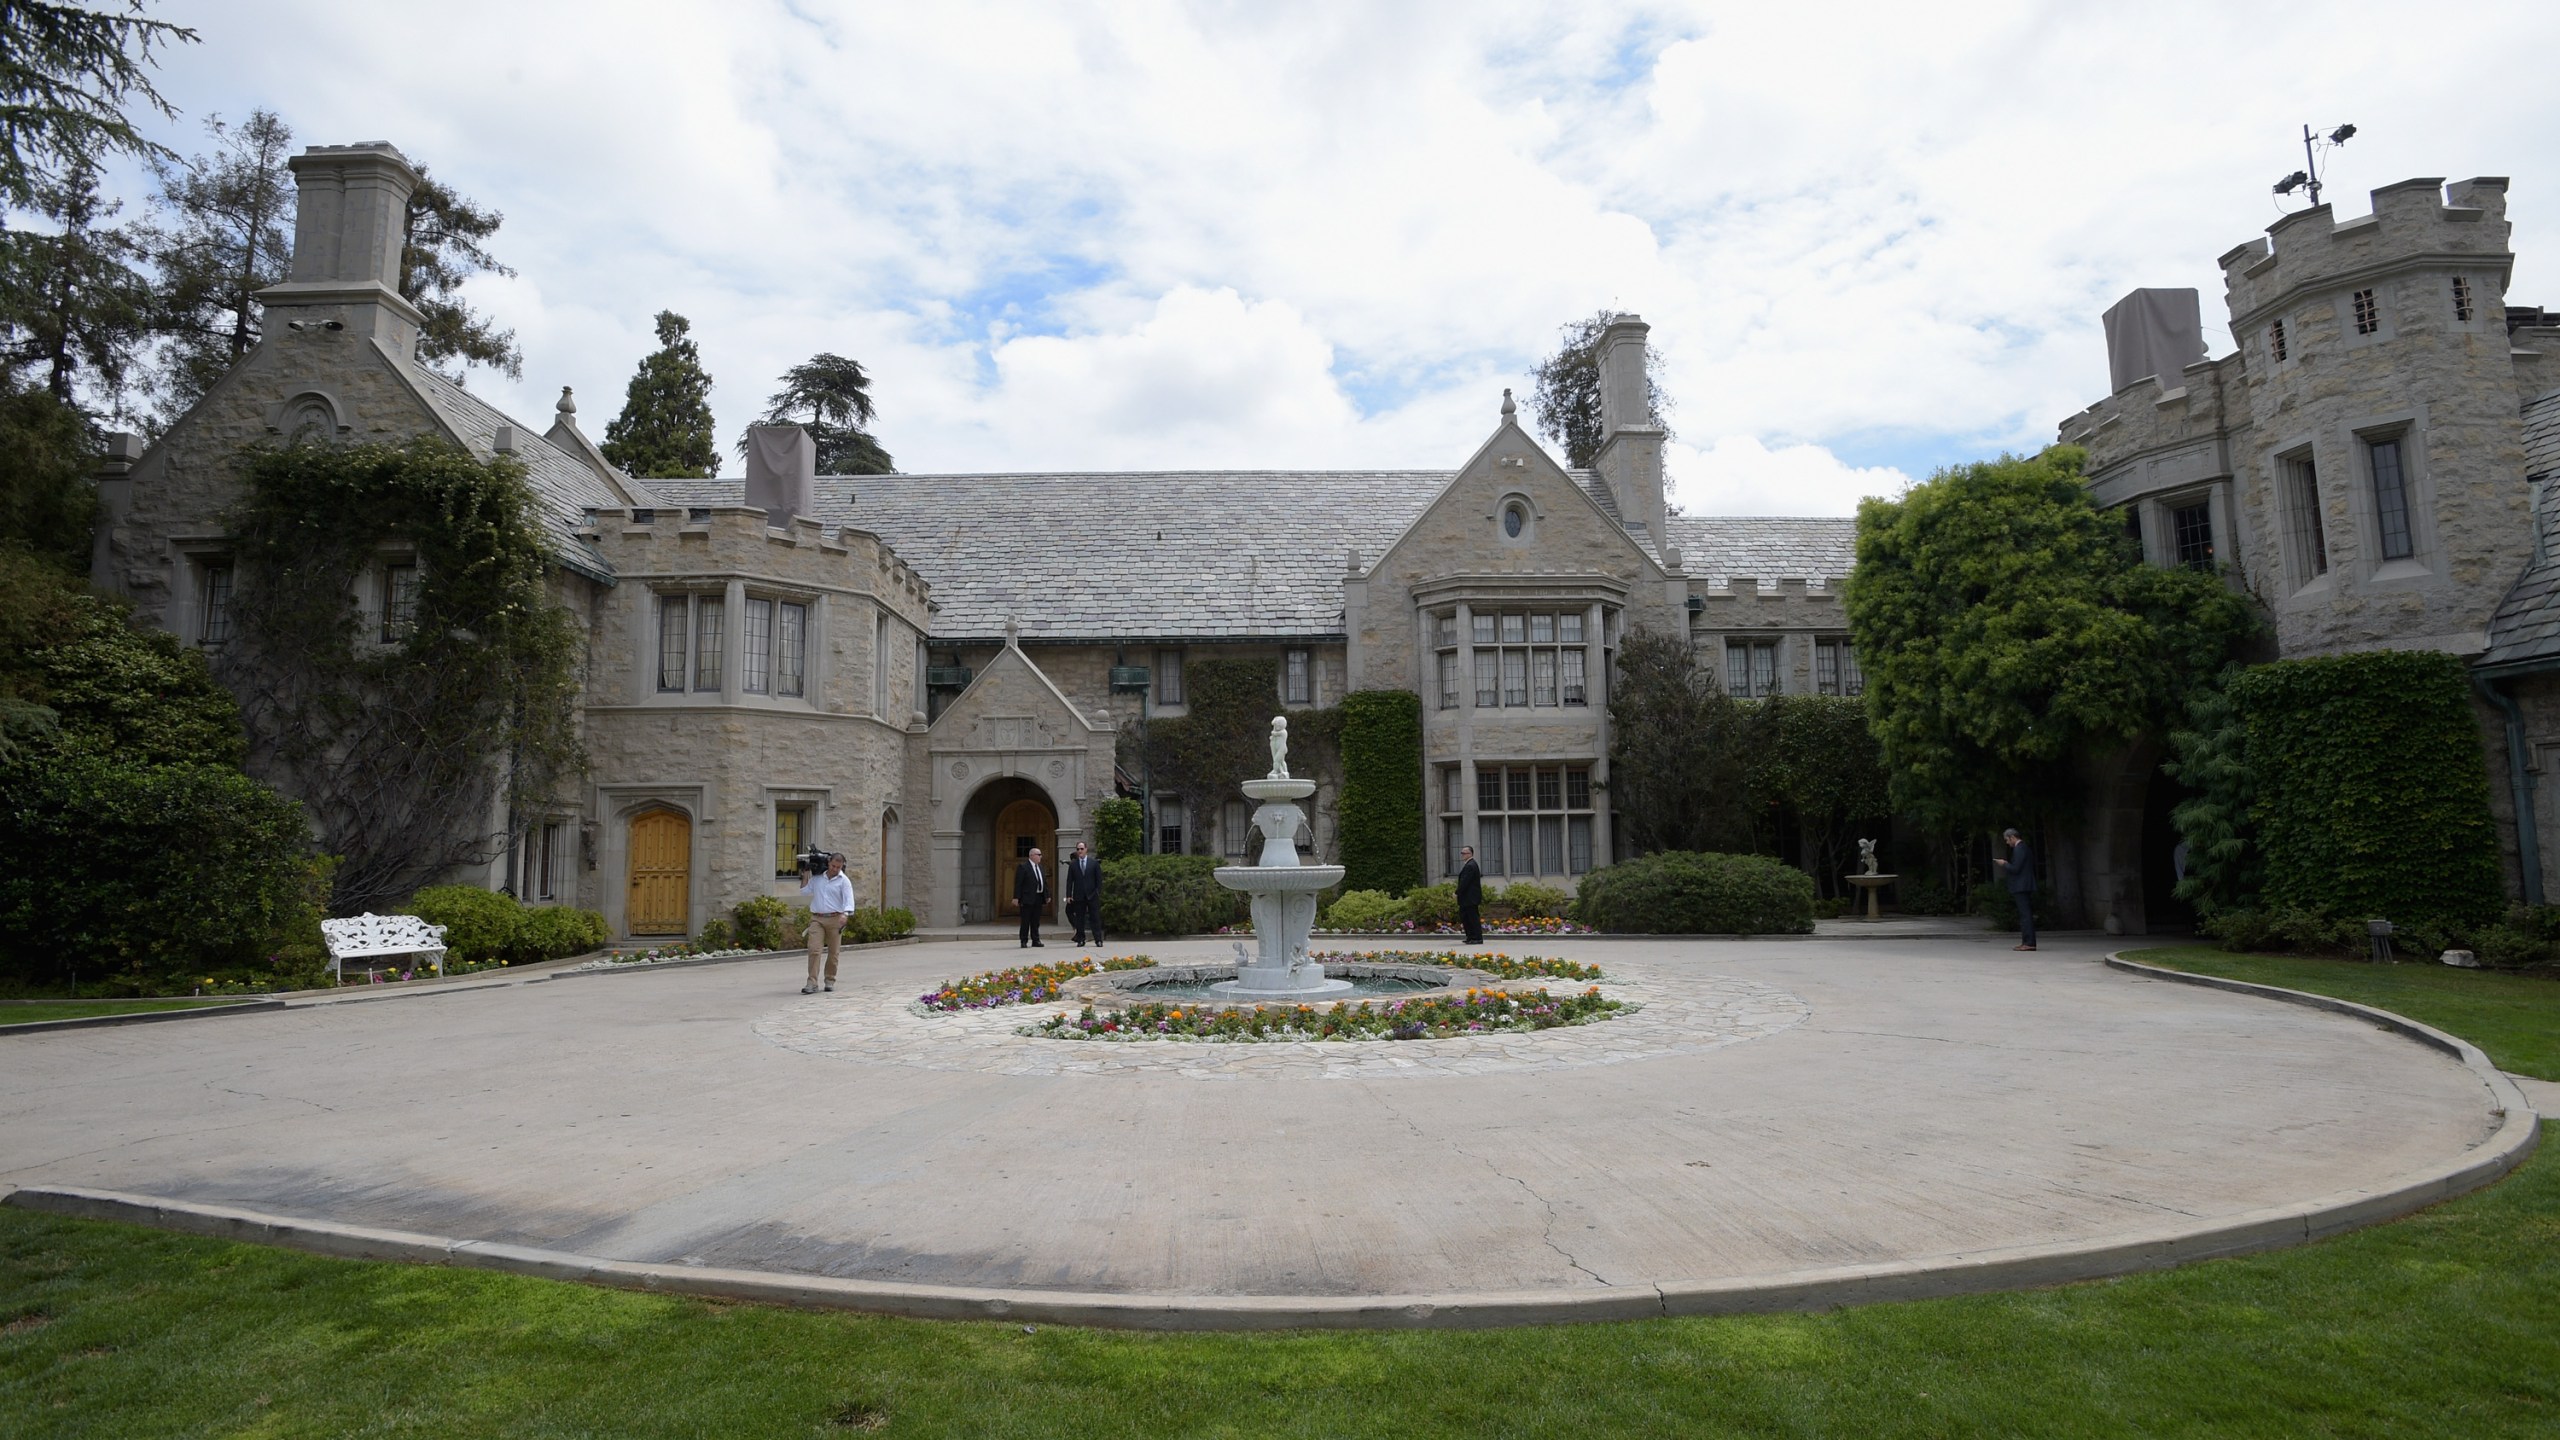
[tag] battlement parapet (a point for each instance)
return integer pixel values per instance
(2412, 220)
(2148, 418)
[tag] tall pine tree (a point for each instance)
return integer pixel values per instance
(72, 307)
(441, 248)
(229, 235)
(664, 430)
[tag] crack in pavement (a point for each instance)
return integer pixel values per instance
(1547, 1233)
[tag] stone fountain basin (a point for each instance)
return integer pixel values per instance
(1279, 879)
(1121, 987)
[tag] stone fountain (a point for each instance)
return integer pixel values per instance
(1283, 890)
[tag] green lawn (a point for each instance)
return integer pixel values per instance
(2515, 1018)
(21, 1014)
(2442, 1324)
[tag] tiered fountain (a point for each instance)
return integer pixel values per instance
(1283, 890)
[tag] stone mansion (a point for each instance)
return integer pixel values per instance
(935, 673)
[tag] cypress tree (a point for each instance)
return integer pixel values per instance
(664, 430)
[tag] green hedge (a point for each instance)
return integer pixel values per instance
(161, 873)
(1690, 893)
(1381, 811)
(1168, 895)
(1119, 828)
(1365, 910)
(481, 925)
(2371, 794)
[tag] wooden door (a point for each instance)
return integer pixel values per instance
(661, 874)
(1020, 827)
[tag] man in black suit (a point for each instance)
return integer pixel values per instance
(1030, 892)
(2018, 872)
(1470, 895)
(1084, 894)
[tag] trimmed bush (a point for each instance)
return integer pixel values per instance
(2285, 931)
(478, 924)
(556, 932)
(1366, 910)
(1119, 828)
(1527, 899)
(1691, 893)
(1168, 895)
(1380, 817)
(870, 927)
(2371, 794)
(762, 922)
(716, 934)
(1433, 904)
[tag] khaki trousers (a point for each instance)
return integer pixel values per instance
(829, 928)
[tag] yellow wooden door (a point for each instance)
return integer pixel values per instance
(661, 874)
(1020, 827)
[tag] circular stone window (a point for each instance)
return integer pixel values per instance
(1515, 518)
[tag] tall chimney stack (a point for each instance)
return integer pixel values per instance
(1630, 458)
(351, 212)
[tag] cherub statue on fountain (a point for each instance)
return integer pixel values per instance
(1279, 747)
(1867, 857)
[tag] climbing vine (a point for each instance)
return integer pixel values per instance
(1382, 790)
(412, 746)
(1225, 738)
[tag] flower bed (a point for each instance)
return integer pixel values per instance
(1525, 925)
(1019, 984)
(1527, 967)
(1476, 1012)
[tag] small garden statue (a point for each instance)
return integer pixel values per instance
(1867, 857)
(1279, 747)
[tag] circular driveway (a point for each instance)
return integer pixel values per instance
(1790, 1122)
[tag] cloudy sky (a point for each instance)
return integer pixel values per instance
(1871, 238)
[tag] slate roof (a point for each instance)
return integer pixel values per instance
(1138, 556)
(1768, 548)
(1168, 555)
(2526, 629)
(563, 485)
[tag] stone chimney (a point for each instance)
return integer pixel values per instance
(782, 472)
(351, 210)
(1630, 458)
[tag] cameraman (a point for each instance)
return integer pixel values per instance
(830, 905)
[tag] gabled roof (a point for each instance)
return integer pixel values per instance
(1168, 555)
(564, 485)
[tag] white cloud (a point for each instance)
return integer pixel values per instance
(1173, 234)
(1738, 475)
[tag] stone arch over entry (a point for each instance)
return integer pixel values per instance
(659, 897)
(1004, 819)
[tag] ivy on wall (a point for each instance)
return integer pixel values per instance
(1381, 817)
(1224, 738)
(2370, 793)
(409, 754)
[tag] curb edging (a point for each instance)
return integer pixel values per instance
(139, 1017)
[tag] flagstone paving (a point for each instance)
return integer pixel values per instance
(1776, 1108)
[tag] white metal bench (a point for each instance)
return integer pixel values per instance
(367, 936)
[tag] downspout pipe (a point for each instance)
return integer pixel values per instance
(2528, 838)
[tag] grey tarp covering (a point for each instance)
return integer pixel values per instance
(2153, 332)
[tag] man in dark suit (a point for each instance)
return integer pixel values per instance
(1084, 894)
(1030, 892)
(1470, 895)
(2018, 872)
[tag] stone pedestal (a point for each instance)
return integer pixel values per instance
(1874, 886)
(1284, 902)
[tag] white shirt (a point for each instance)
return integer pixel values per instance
(829, 894)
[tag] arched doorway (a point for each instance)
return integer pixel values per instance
(661, 850)
(1002, 824)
